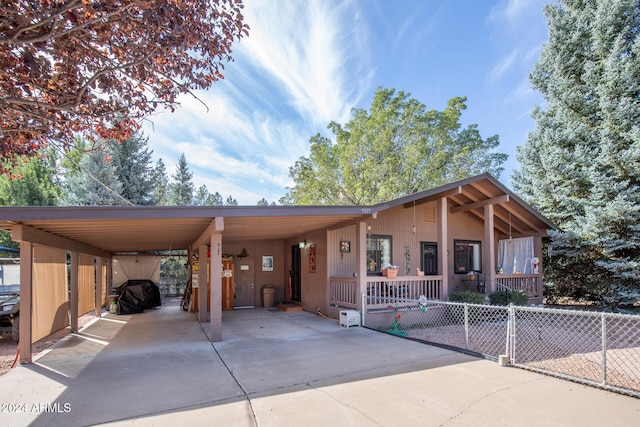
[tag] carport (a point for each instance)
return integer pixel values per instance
(82, 242)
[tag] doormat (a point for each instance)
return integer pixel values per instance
(289, 306)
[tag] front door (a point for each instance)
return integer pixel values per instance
(429, 258)
(296, 271)
(244, 283)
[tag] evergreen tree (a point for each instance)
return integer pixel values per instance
(95, 184)
(181, 186)
(132, 162)
(216, 200)
(231, 201)
(160, 180)
(581, 165)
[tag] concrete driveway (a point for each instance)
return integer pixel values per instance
(277, 368)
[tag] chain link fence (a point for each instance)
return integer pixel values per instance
(599, 349)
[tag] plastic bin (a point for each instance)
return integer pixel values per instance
(267, 295)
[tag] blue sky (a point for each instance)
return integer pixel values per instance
(308, 62)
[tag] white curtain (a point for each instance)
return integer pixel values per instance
(126, 267)
(516, 255)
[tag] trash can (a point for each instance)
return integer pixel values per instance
(267, 295)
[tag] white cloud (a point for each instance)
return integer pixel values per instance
(310, 49)
(303, 65)
(503, 66)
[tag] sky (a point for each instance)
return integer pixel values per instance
(306, 63)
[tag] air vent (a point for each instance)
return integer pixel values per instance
(429, 213)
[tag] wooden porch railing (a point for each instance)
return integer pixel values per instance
(344, 292)
(530, 284)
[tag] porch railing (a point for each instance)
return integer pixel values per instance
(344, 292)
(527, 283)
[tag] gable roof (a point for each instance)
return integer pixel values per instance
(102, 230)
(512, 215)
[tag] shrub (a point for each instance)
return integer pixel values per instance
(515, 298)
(467, 296)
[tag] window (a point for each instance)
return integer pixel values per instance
(468, 256)
(378, 253)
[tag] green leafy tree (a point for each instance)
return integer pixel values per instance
(132, 162)
(581, 165)
(181, 187)
(95, 184)
(32, 182)
(397, 147)
(231, 201)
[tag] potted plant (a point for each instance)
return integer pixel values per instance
(392, 271)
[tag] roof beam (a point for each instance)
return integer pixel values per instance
(24, 233)
(215, 226)
(493, 201)
(434, 197)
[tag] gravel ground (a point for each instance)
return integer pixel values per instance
(9, 349)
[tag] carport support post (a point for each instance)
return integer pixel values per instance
(26, 308)
(203, 296)
(99, 286)
(216, 285)
(73, 291)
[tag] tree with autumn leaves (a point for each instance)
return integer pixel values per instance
(95, 69)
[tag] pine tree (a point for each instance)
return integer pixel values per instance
(181, 186)
(216, 200)
(94, 184)
(160, 180)
(581, 166)
(132, 162)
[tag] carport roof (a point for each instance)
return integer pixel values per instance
(114, 229)
(157, 228)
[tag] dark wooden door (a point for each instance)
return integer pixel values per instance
(295, 274)
(429, 258)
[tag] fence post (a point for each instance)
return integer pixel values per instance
(466, 326)
(512, 333)
(603, 329)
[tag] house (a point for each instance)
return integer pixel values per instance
(322, 257)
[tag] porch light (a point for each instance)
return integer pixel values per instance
(302, 244)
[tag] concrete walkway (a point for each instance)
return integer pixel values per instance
(277, 368)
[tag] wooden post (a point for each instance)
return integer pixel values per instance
(26, 297)
(203, 297)
(73, 291)
(215, 280)
(361, 263)
(99, 286)
(489, 249)
(443, 246)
